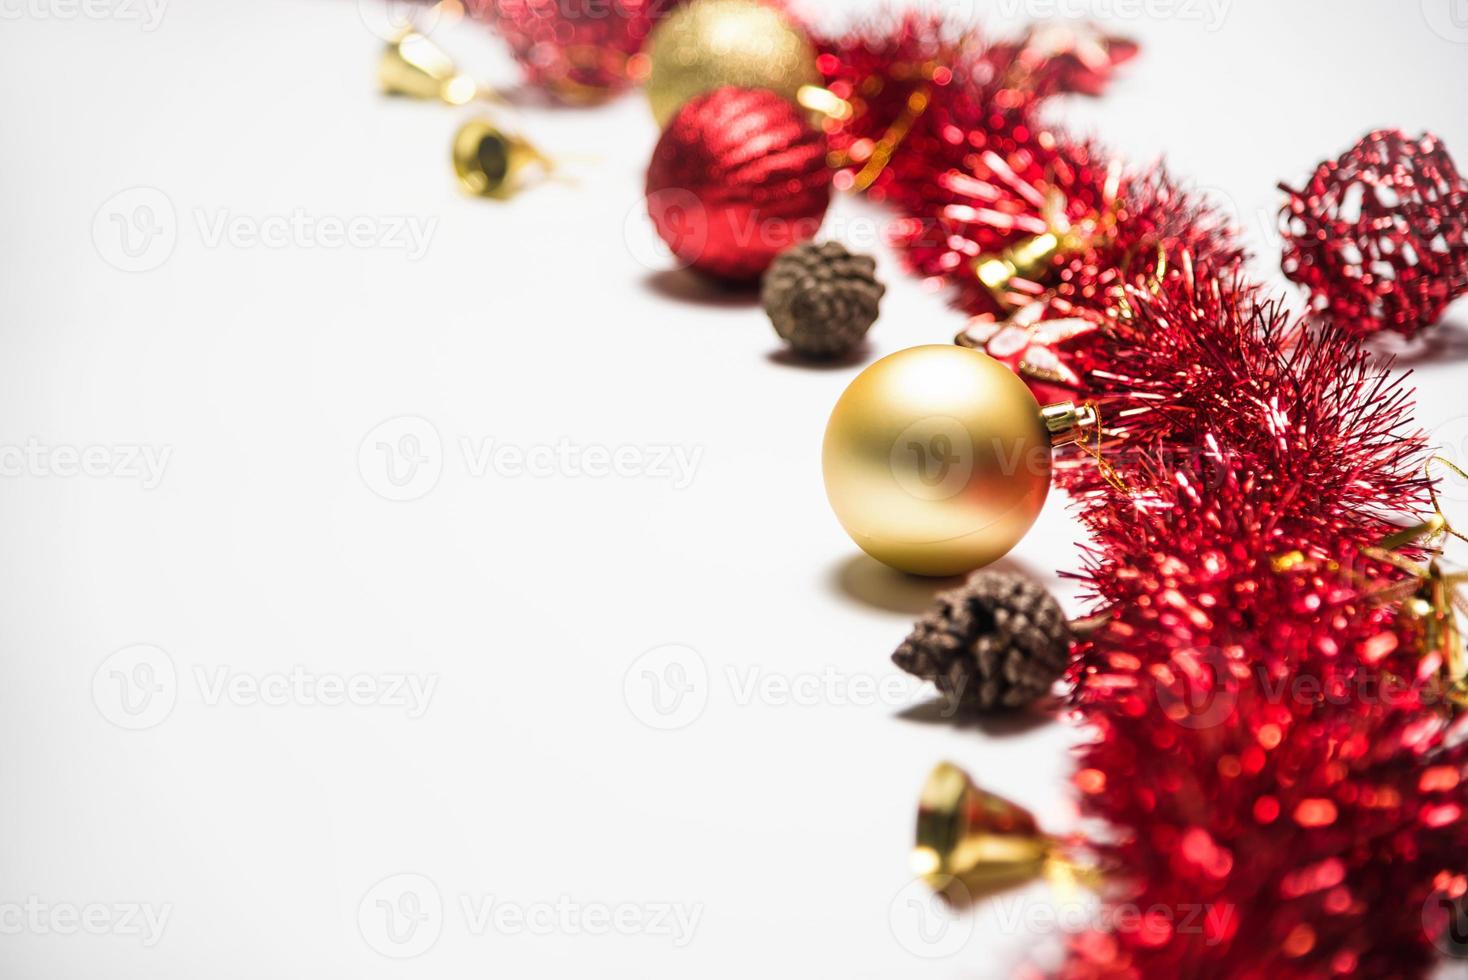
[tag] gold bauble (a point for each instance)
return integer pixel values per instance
(937, 460)
(707, 44)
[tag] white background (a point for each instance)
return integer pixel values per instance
(264, 831)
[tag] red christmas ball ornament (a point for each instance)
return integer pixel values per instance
(1380, 236)
(738, 176)
(578, 50)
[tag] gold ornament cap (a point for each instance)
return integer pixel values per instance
(707, 44)
(937, 459)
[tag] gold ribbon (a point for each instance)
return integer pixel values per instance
(1108, 472)
(917, 104)
(1431, 596)
(876, 165)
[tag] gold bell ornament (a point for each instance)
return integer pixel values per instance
(491, 162)
(972, 844)
(937, 459)
(707, 44)
(413, 66)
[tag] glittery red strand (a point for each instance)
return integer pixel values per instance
(1284, 785)
(1279, 778)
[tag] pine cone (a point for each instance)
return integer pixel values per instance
(998, 641)
(821, 298)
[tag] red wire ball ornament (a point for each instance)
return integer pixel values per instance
(578, 50)
(738, 176)
(1380, 236)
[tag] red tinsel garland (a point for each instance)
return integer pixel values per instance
(1267, 743)
(973, 172)
(1275, 813)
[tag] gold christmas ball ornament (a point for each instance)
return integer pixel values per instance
(937, 459)
(707, 44)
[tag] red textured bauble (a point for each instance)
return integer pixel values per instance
(578, 50)
(1380, 236)
(738, 177)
